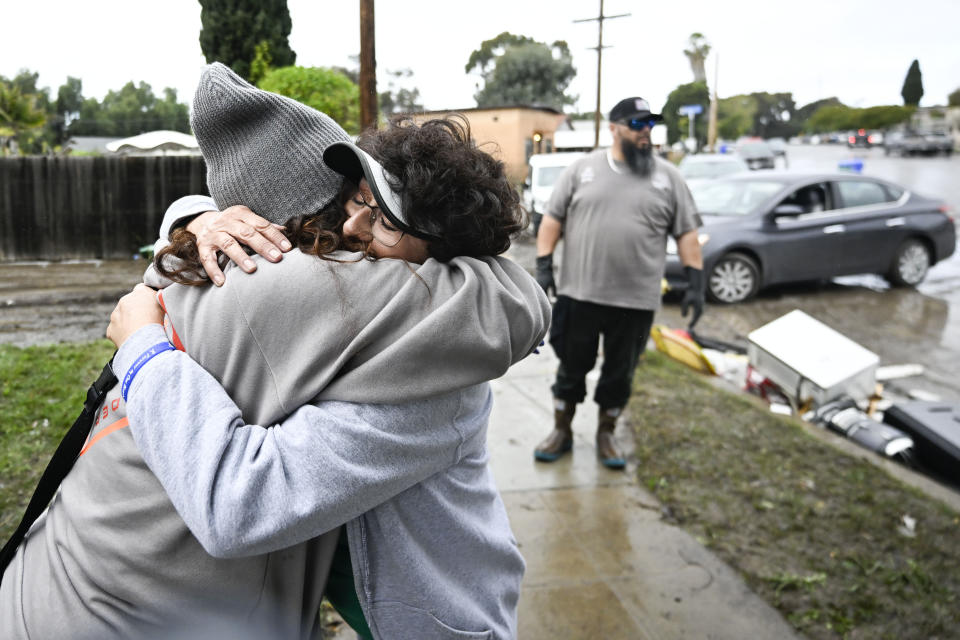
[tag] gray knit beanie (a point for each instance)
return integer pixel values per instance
(263, 150)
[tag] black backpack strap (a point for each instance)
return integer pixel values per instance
(61, 462)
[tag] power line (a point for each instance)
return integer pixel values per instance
(599, 48)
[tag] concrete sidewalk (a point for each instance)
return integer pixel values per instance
(600, 562)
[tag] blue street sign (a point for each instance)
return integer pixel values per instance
(690, 109)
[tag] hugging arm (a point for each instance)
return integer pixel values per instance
(222, 231)
(245, 489)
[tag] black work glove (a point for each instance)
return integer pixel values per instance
(545, 274)
(693, 296)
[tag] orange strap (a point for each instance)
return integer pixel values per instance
(173, 330)
(116, 426)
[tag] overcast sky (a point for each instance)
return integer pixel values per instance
(857, 50)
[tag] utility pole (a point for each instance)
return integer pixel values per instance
(368, 67)
(599, 48)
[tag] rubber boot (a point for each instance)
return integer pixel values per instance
(606, 444)
(560, 440)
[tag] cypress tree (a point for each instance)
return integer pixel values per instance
(232, 29)
(912, 89)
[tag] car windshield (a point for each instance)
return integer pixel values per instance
(732, 197)
(546, 176)
(711, 169)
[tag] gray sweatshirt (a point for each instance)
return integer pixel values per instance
(431, 544)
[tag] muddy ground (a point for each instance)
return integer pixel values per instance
(50, 302)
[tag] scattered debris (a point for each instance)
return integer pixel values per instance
(802, 367)
(926, 396)
(810, 361)
(678, 344)
(908, 526)
(894, 371)
(935, 427)
(782, 409)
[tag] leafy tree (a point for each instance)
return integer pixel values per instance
(912, 89)
(831, 118)
(232, 30)
(260, 65)
(953, 99)
(20, 116)
(774, 115)
(882, 117)
(399, 99)
(697, 55)
(491, 49)
(840, 117)
(132, 110)
(735, 116)
(807, 110)
(768, 115)
(325, 90)
(65, 109)
(70, 96)
(677, 125)
(519, 70)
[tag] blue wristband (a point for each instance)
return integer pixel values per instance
(144, 358)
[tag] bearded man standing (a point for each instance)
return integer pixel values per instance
(615, 209)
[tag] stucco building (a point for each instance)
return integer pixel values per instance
(510, 133)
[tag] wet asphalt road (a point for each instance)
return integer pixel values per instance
(900, 325)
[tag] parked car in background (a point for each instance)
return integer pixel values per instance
(939, 143)
(542, 172)
(908, 143)
(762, 229)
(779, 146)
(757, 154)
(863, 138)
(706, 166)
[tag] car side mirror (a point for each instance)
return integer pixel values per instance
(784, 210)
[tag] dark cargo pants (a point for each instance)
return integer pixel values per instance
(575, 337)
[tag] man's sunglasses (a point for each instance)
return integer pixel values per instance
(639, 124)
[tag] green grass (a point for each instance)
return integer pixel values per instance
(815, 532)
(41, 394)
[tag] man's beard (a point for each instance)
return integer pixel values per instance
(639, 159)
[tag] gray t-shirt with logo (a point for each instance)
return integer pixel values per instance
(615, 228)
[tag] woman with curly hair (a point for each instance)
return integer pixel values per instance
(329, 409)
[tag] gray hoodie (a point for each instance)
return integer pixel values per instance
(431, 546)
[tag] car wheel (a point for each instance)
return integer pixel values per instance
(910, 264)
(735, 278)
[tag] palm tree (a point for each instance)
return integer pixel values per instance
(697, 54)
(18, 113)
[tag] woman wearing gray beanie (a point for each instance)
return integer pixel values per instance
(342, 393)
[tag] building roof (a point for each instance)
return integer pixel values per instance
(89, 144)
(156, 141)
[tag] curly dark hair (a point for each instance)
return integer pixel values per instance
(318, 234)
(449, 186)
